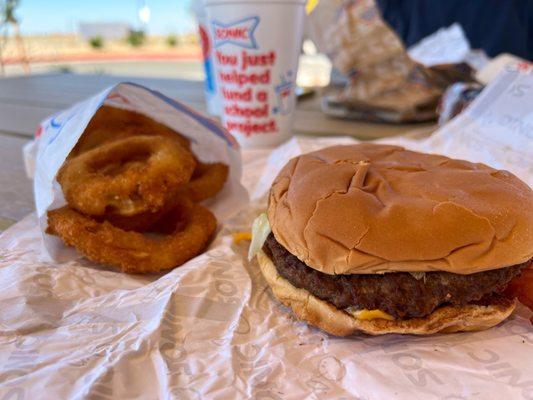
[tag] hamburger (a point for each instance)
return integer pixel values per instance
(379, 239)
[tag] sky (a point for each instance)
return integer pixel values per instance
(62, 16)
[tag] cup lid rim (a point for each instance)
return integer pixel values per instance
(218, 2)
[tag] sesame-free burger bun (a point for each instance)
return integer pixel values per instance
(368, 208)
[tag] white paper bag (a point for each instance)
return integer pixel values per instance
(210, 142)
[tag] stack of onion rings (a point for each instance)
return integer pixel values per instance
(132, 196)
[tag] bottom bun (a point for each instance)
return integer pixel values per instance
(327, 317)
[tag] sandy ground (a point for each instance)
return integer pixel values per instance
(71, 47)
(192, 70)
(68, 53)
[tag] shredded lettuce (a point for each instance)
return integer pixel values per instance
(418, 275)
(260, 231)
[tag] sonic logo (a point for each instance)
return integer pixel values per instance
(204, 39)
(239, 33)
(285, 94)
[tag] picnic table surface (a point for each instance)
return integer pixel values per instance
(27, 100)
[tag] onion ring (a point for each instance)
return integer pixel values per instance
(111, 123)
(207, 180)
(142, 222)
(127, 176)
(133, 252)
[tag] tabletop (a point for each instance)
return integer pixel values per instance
(26, 100)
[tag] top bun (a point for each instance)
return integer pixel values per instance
(368, 208)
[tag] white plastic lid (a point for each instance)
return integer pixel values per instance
(208, 3)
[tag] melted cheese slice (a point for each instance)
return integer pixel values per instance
(368, 315)
(240, 236)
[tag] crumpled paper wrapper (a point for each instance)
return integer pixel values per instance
(448, 45)
(384, 83)
(212, 329)
(456, 98)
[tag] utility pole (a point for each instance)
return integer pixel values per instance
(7, 19)
(143, 14)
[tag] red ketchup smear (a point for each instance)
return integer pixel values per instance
(522, 287)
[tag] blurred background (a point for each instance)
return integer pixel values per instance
(131, 37)
(159, 38)
(152, 38)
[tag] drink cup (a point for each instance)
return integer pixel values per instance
(256, 45)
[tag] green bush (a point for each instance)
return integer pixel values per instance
(172, 40)
(63, 69)
(96, 42)
(136, 38)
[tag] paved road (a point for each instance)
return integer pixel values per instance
(191, 70)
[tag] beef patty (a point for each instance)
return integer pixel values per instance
(399, 294)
